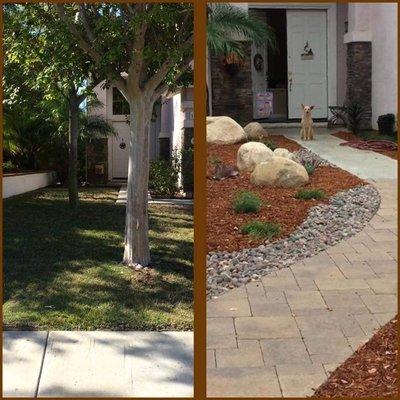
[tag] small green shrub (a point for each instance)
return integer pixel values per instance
(309, 168)
(246, 202)
(269, 143)
(261, 229)
(163, 177)
(308, 194)
(9, 166)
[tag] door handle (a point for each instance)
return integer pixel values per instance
(290, 81)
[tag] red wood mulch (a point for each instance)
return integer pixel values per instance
(349, 137)
(370, 372)
(223, 224)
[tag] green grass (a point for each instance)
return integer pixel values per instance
(308, 194)
(62, 269)
(261, 229)
(246, 202)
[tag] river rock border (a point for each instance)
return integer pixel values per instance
(345, 215)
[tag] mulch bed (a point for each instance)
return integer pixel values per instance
(279, 204)
(370, 372)
(350, 137)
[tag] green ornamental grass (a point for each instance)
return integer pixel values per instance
(261, 229)
(309, 168)
(246, 202)
(309, 194)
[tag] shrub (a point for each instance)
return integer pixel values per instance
(261, 229)
(163, 177)
(9, 166)
(310, 168)
(269, 143)
(246, 202)
(308, 194)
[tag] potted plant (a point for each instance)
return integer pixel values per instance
(386, 124)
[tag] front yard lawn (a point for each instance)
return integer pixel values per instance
(62, 269)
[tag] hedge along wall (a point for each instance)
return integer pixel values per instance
(19, 183)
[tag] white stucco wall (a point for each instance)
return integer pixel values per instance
(377, 22)
(22, 183)
(341, 53)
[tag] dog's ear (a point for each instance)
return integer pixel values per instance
(302, 106)
(311, 107)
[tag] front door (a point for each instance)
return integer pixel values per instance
(307, 65)
(120, 150)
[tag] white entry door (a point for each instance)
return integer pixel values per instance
(120, 150)
(307, 64)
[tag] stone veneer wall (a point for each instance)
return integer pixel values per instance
(97, 153)
(232, 94)
(359, 72)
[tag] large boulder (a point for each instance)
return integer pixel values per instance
(279, 171)
(285, 153)
(254, 130)
(224, 130)
(252, 153)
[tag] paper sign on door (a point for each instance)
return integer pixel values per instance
(264, 104)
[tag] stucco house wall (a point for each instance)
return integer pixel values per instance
(173, 117)
(377, 23)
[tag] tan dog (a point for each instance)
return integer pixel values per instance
(307, 131)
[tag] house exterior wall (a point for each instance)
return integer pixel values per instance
(14, 184)
(172, 116)
(228, 95)
(376, 23)
(341, 53)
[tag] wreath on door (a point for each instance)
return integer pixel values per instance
(258, 62)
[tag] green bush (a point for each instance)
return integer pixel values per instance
(261, 229)
(308, 194)
(309, 168)
(163, 177)
(9, 166)
(269, 143)
(246, 202)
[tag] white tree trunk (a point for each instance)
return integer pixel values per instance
(137, 252)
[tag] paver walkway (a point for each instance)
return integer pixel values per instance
(281, 336)
(97, 364)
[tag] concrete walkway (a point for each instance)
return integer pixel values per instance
(176, 202)
(283, 335)
(97, 364)
(363, 163)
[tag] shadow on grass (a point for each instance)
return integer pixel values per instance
(62, 268)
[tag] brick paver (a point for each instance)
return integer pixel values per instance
(283, 335)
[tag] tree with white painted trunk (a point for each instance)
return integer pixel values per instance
(145, 50)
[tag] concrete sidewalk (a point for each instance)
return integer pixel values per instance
(362, 163)
(175, 202)
(97, 364)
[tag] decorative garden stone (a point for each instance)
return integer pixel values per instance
(254, 130)
(224, 130)
(252, 153)
(285, 153)
(279, 171)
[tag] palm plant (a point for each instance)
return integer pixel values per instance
(229, 25)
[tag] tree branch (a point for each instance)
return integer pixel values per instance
(85, 21)
(156, 80)
(83, 44)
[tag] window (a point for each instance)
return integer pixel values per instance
(119, 104)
